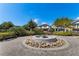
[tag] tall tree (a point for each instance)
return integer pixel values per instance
(63, 22)
(7, 25)
(31, 25)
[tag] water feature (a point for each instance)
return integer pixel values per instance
(45, 38)
(45, 42)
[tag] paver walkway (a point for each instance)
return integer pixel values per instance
(16, 48)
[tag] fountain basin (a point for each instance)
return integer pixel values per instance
(45, 44)
(45, 38)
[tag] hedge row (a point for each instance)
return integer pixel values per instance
(61, 33)
(18, 32)
(7, 35)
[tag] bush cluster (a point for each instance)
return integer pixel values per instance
(38, 31)
(61, 33)
(7, 35)
(29, 32)
(19, 31)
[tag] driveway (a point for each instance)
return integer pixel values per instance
(16, 48)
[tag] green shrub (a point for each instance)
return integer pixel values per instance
(30, 32)
(38, 31)
(3, 30)
(1, 37)
(75, 33)
(6, 35)
(19, 31)
(63, 33)
(47, 33)
(52, 30)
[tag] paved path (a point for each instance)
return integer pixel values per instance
(16, 48)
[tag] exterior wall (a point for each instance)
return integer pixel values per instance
(63, 29)
(76, 25)
(45, 28)
(56, 28)
(68, 29)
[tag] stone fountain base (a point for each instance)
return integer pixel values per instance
(46, 43)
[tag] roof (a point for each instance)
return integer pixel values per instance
(44, 25)
(75, 21)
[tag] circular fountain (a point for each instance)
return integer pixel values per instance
(45, 42)
(44, 38)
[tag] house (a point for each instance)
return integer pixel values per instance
(68, 29)
(75, 25)
(61, 28)
(45, 27)
(58, 28)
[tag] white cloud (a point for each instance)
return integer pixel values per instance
(44, 23)
(35, 20)
(77, 18)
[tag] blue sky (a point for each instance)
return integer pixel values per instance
(21, 13)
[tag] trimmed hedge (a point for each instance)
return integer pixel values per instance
(19, 31)
(75, 33)
(6, 35)
(63, 33)
(29, 32)
(38, 31)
